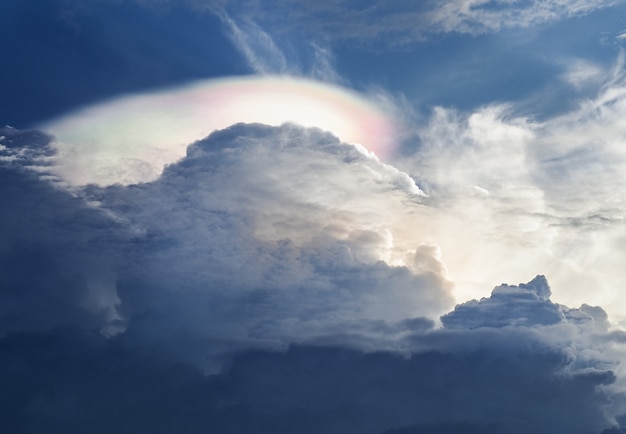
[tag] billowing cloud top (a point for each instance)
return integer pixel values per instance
(268, 258)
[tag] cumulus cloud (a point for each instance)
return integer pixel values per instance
(260, 235)
(278, 260)
(527, 304)
(281, 233)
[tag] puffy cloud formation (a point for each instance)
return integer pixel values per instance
(526, 305)
(276, 234)
(260, 235)
(269, 282)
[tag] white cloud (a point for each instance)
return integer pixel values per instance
(264, 56)
(403, 22)
(477, 16)
(581, 74)
(556, 195)
(323, 67)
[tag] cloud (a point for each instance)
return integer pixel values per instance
(513, 379)
(530, 194)
(378, 390)
(581, 74)
(71, 380)
(271, 281)
(257, 46)
(287, 232)
(268, 51)
(259, 236)
(523, 305)
(322, 66)
(474, 16)
(57, 253)
(526, 304)
(393, 24)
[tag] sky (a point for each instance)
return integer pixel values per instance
(349, 216)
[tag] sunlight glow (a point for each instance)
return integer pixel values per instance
(129, 139)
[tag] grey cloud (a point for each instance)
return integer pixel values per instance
(525, 389)
(261, 236)
(526, 305)
(587, 315)
(119, 385)
(73, 381)
(24, 148)
(56, 252)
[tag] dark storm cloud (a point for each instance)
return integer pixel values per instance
(68, 381)
(519, 392)
(73, 381)
(56, 253)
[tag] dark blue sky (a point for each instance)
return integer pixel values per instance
(59, 57)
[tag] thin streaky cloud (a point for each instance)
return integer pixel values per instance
(392, 24)
(257, 46)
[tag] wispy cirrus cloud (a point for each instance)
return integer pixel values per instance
(264, 55)
(390, 23)
(256, 46)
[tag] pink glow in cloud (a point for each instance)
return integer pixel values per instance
(129, 139)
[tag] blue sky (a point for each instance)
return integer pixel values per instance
(294, 217)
